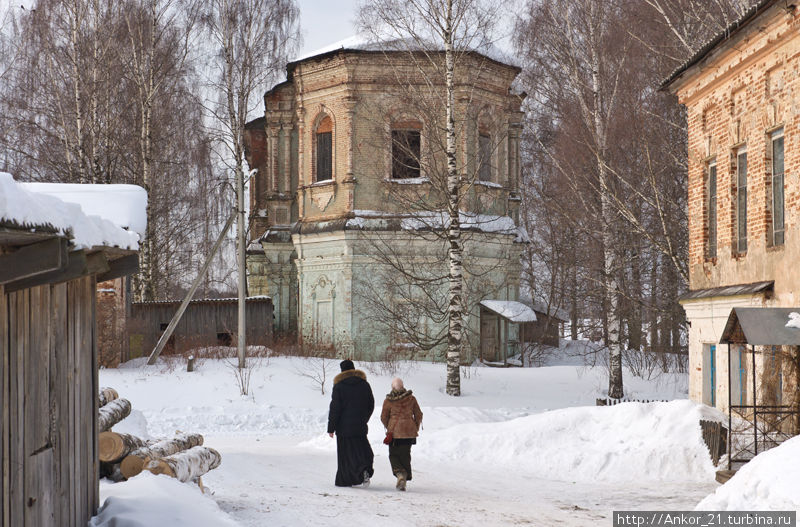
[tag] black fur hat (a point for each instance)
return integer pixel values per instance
(347, 364)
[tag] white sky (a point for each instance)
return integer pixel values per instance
(324, 22)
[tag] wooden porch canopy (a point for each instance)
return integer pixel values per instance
(761, 326)
(757, 326)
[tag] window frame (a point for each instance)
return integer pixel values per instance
(323, 129)
(711, 208)
(741, 200)
(484, 158)
(778, 180)
(405, 129)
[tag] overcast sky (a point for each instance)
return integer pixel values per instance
(324, 22)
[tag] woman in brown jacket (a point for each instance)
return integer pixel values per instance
(402, 418)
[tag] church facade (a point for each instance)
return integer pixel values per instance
(346, 229)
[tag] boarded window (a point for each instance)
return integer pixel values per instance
(485, 157)
(741, 200)
(777, 188)
(324, 156)
(405, 154)
(711, 249)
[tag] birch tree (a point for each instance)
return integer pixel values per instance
(428, 29)
(251, 41)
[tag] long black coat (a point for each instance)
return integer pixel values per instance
(352, 404)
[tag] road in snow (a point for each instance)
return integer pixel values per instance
(479, 460)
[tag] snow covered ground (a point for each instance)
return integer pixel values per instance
(521, 446)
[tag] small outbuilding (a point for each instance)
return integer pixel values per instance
(207, 322)
(500, 321)
(52, 254)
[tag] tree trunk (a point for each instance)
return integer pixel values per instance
(112, 413)
(113, 446)
(188, 465)
(134, 462)
(454, 252)
(106, 395)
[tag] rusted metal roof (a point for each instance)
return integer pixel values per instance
(733, 28)
(761, 326)
(729, 290)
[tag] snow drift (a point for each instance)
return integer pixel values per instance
(771, 481)
(629, 442)
(148, 500)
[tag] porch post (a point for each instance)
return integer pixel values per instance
(755, 395)
(730, 420)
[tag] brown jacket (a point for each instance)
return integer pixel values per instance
(401, 415)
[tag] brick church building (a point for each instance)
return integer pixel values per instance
(347, 194)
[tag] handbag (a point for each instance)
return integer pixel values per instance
(388, 439)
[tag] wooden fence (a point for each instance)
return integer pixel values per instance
(611, 402)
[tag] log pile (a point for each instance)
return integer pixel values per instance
(124, 456)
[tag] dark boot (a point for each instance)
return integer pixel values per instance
(401, 480)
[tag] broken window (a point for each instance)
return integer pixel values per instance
(485, 157)
(406, 153)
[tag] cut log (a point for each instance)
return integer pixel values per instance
(106, 395)
(111, 471)
(112, 413)
(186, 466)
(134, 462)
(114, 446)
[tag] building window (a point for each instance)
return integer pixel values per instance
(777, 188)
(324, 145)
(741, 200)
(406, 153)
(711, 185)
(485, 157)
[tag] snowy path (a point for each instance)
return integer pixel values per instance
(495, 456)
(279, 482)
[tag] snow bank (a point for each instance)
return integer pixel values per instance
(630, 442)
(26, 208)
(148, 500)
(794, 320)
(770, 481)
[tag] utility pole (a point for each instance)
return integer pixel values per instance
(241, 229)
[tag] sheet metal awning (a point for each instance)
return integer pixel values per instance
(510, 310)
(761, 326)
(729, 290)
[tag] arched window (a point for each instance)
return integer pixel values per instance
(406, 149)
(324, 150)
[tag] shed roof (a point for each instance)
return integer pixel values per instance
(761, 326)
(510, 310)
(729, 290)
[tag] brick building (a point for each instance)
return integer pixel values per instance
(347, 146)
(741, 92)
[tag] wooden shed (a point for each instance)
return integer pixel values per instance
(48, 367)
(546, 329)
(206, 322)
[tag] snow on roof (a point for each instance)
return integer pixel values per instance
(369, 42)
(511, 310)
(428, 220)
(122, 205)
(27, 207)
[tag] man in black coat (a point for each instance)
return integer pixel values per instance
(352, 404)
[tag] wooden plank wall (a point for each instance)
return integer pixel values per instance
(49, 385)
(201, 323)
